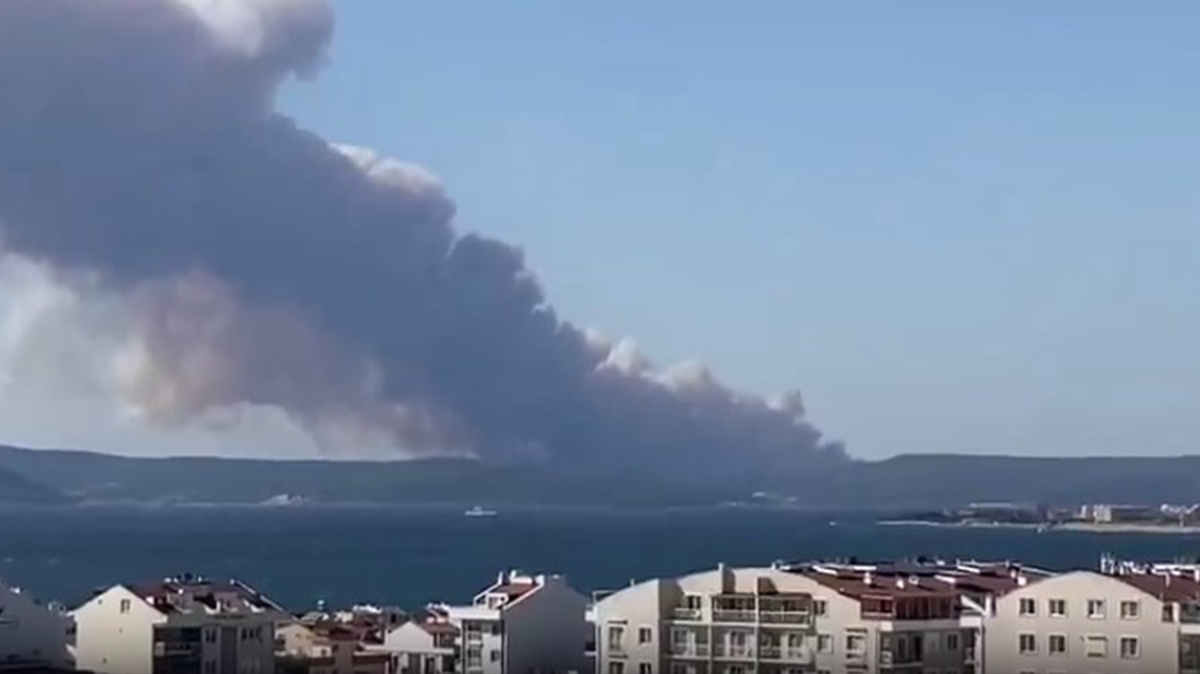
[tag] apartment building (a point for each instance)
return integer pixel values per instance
(33, 635)
(327, 648)
(423, 646)
(521, 624)
(727, 621)
(1085, 622)
(184, 625)
(821, 618)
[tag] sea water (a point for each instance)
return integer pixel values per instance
(410, 556)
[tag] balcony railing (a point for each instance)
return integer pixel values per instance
(733, 651)
(687, 614)
(784, 653)
(784, 617)
(690, 650)
(734, 616)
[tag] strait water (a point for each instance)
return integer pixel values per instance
(410, 556)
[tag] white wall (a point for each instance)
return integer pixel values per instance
(631, 608)
(1158, 640)
(547, 630)
(111, 642)
(31, 632)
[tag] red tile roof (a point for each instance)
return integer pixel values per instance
(1165, 588)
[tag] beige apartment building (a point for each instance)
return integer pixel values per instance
(819, 618)
(1083, 622)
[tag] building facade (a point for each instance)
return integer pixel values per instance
(33, 635)
(521, 624)
(820, 618)
(425, 646)
(177, 626)
(1085, 622)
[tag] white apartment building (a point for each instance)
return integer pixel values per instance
(177, 626)
(423, 647)
(33, 635)
(522, 624)
(820, 618)
(1084, 622)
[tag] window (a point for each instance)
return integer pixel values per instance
(1058, 644)
(645, 668)
(1131, 610)
(820, 608)
(856, 643)
(494, 656)
(475, 657)
(1058, 608)
(1168, 613)
(210, 635)
(952, 641)
(645, 635)
(1130, 648)
(616, 637)
(126, 605)
(1027, 644)
(1096, 609)
(1028, 607)
(679, 668)
(496, 627)
(824, 643)
(1096, 646)
(616, 668)
(692, 602)
(736, 669)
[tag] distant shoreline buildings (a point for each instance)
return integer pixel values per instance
(841, 617)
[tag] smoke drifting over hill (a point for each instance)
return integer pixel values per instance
(252, 262)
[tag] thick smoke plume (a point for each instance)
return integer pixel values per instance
(258, 264)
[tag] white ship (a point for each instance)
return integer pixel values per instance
(478, 511)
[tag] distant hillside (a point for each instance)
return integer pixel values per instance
(942, 479)
(15, 489)
(902, 482)
(101, 477)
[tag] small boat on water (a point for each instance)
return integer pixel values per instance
(478, 511)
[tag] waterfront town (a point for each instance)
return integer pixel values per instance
(925, 615)
(1098, 517)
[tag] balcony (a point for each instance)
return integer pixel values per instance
(784, 617)
(743, 652)
(176, 649)
(687, 614)
(734, 615)
(690, 650)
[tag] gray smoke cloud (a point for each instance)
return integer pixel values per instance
(256, 263)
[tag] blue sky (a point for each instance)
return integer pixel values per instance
(956, 227)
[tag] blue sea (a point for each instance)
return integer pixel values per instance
(409, 556)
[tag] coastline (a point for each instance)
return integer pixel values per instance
(1084, 527)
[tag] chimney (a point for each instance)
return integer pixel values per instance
(869, 579)
(900, 583)
(1022, 580)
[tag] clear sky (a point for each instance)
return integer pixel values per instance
(954, 226)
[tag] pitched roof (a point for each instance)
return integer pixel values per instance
(1164, 587)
